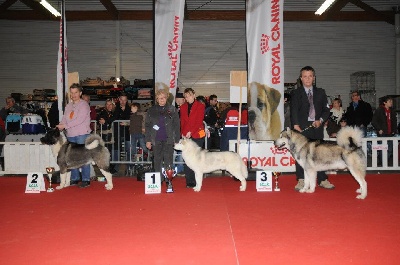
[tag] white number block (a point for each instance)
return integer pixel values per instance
(152, 182)
(264, 180)
(34, 182)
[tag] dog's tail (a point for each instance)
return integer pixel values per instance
(349, 138)
(93, 141)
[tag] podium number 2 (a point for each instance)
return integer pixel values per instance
(264, 176)
(34, 178)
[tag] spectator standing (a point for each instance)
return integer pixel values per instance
(336, 115)
(384, 121)
(231, 117)
(309, 107)
(192, 116)
(359, 113)
(105, 120)
(211, 118)
(162, 131)
(76, 121)
(137, 130)
(121, 129)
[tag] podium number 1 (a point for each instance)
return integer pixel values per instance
(154, 178)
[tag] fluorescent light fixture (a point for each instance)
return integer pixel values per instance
(49, 7)
(324, 7)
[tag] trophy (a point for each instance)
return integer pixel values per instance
(169, 174)
(276, 175)
(50, 171)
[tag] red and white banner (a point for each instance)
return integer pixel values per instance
(168, 21)
(264, 30)
(62, 64)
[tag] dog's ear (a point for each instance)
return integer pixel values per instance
(274, 98)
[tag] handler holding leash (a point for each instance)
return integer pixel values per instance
(76, 121)
(192, 115)
(309, 109)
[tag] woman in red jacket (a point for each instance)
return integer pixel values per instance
(192, 115)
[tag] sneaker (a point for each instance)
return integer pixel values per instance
(326, 185)
(300, 184)
(84, 184)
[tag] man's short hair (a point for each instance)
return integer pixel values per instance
(212, 97)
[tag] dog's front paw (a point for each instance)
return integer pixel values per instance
(242, 188)
(197, 189)
(59, 187)
(361, 197)
(302, 190)
(108, 186)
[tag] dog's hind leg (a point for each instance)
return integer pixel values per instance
(238, 174)
(109, 185)
(199, 181)
(360, 178)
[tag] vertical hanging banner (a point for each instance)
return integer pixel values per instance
(62, 63)
(168, 41)
(264, 30)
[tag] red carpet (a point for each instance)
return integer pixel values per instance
(219, 225)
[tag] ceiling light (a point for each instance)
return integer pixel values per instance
(324, 7)
(49, 7)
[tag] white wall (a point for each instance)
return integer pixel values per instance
(210, 50)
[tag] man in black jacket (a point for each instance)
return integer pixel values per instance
(309, 107)
(359, 112)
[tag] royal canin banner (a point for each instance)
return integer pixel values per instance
(62, 64)
(264, 30)
(168, 21)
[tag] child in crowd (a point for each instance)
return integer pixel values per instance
(136, 130)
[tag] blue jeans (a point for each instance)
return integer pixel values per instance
(138, 137)
(80, 139)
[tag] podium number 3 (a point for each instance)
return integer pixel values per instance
(264, 176)
(34, 178)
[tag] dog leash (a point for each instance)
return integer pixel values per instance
(309, 127)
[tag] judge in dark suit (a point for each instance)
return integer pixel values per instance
(309, 107)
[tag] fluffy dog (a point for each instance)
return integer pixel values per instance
(316, 156)
(264, 119)
(72, 155)
(201, 161)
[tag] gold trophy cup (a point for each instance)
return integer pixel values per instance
(276, 175)
(50, 171)
(169, 174)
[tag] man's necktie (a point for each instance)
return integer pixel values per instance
(311, 112)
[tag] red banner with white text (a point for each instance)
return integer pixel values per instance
(168, 41)
(264, 31)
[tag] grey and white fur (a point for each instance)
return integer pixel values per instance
(320, 155)
(72, 155)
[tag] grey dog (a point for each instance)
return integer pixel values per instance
(72, 155)
(316, 156)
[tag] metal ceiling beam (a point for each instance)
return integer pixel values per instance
(110, 8)
(200, 15)
(372, 11)
(6, 4)
(38, 8)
